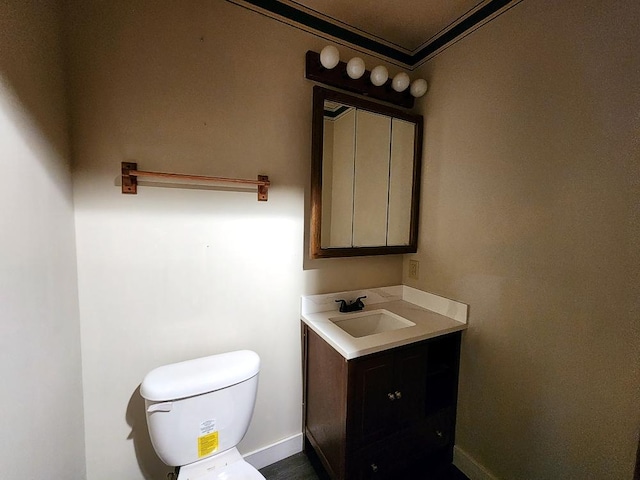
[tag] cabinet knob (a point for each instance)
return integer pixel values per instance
(391, 396)
(374, 468)
(439, 433)
(398, 395)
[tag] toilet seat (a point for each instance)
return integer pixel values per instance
(228, 465)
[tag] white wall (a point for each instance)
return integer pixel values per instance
(170, 274)
(41, 432)
(530, 214)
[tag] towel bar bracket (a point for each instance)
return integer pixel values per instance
(129, 182)
(263, 188)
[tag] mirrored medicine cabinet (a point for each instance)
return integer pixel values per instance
(365, 177)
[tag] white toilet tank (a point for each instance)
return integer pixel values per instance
(200, 407)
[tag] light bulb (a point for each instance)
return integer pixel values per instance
(418, 87)
(355, 68)
(400, 82)
(329, 57)
(379, 75)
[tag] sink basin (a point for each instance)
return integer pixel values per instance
(362, 324)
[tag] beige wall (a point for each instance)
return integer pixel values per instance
(41, 426)
(530, 215)
(207, 88)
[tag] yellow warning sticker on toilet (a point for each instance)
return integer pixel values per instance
(207, 444)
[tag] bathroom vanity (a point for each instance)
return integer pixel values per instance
(381, 403)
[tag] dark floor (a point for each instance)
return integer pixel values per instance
(299, 467)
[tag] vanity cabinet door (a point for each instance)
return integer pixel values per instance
(389, 393)
(373, 397)
(410, 375)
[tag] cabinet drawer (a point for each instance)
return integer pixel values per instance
(380, 462)
(415, 450)
(439, 430)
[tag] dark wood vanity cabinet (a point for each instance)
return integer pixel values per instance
(388, 415)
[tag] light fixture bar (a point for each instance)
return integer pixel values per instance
(337, 77)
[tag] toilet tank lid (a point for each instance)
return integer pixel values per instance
(198, 376)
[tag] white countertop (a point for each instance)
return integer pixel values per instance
(433, 316)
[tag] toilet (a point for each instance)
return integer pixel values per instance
(199, 410)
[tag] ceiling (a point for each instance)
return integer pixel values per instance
(406, 32)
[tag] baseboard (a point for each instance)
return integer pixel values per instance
(275, 452)
(469, 466)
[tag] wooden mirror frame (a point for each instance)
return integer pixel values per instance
(321, 94)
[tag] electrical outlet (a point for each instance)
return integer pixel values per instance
(414, 269)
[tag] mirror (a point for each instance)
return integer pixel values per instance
(365, 177)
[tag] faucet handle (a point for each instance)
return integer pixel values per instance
(343, 305)
(358, 301)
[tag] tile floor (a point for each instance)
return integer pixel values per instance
(299, 467)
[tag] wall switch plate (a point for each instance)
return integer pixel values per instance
(414, 269)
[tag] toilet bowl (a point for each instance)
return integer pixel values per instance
(199, 410)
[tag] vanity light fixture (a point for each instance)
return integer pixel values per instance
(379, 75)
(355, 68)
(353, 76)
(400, 82)
(329, 57)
